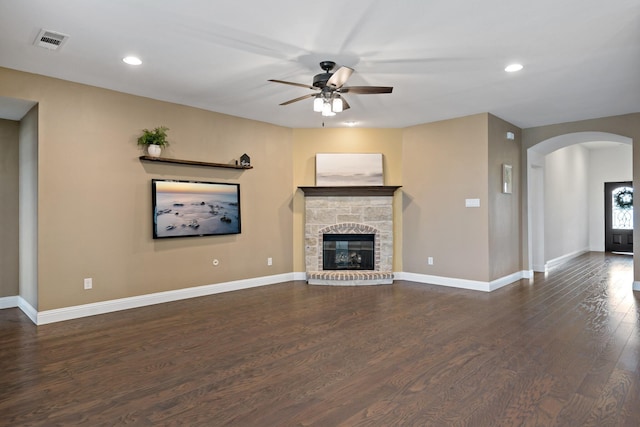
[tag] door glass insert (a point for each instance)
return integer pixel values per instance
(622, 208)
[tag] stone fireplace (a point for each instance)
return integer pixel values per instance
(362, 220)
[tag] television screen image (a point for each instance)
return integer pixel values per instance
(193, 208)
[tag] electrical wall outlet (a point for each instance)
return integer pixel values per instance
(269, 261)
(430, 260)
(88, 283)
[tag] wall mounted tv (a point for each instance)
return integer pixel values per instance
(194, 208)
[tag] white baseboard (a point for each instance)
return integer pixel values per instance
(527, 274)
(8, 302)
(28, 309)
(85, 310)
(564, 258)
(453, 282)
(300, 275)
(540, 268)
(78, 311)
(18, 302)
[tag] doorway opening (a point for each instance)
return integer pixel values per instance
(545, 220)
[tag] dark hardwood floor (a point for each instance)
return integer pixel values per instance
(561, 350)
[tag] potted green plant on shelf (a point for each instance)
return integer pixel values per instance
(154, 140)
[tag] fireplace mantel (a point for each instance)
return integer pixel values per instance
(351, 191)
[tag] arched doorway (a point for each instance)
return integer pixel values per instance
(535, 155)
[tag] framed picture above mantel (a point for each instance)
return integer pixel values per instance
(349, 169)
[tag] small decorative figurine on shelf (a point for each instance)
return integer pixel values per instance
(245, 160)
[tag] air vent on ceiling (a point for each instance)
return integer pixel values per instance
(50, 39)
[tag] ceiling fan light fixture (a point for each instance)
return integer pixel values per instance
(336, 104)
(326, 110)
(318, 103)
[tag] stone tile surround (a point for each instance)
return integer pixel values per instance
(349, 215)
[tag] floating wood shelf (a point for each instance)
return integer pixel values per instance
(373, 190)
(193, 163)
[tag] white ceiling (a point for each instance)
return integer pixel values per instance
(444, 58)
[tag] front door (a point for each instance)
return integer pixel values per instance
(618, 217)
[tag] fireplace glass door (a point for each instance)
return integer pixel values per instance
(348, 252)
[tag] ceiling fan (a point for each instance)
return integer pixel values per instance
(329, 88)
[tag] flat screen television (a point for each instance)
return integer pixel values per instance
(194, 208)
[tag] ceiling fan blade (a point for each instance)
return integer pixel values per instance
(339, 77)
(291, 101)
(293, 84)
(365, 90)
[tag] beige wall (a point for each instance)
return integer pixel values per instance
(308, 142)
(9, 208)
(28, 165)
(94, 201)
(505, 215)
(626, 125)
(445, 163)
(29, 207)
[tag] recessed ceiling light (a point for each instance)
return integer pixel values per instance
(350, 124)
(513, 68)
(132, 60)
